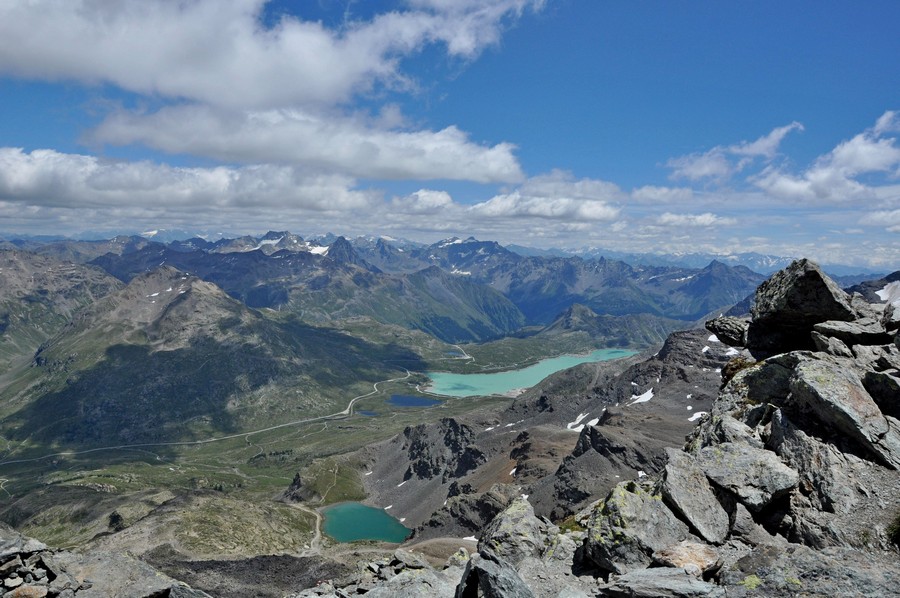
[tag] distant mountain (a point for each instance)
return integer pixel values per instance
(170, 356)
(870, 288)
(640, 330)
(327, 285)
(39, 295)
(542, 287)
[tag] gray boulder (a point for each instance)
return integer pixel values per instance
(661, 583)
(626, 528)
(823, 469)
(730, 330)
(884, 388)
(687, 491)
(789, 304)
(415, 583)
(860, 332)
(833, 395)
(515, 534)
(756, 477)
(490, 578)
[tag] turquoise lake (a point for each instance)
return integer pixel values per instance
(352, 521)
(499, 383)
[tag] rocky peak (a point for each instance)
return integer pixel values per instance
(790, 304)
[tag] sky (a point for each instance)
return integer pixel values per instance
(663, 127)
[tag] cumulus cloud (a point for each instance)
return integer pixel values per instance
(834, 176)
(724, 161)
(50, 179)
(555, 196)
(219, 52)
(423, 201)
(345, 144)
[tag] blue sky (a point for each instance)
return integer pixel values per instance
(637, 126)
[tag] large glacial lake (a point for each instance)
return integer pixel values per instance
(352, 521)
(501, 383)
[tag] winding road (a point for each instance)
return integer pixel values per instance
(344, 413)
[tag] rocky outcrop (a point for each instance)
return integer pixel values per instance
(29, 569)
(789, 304)
(445, 450)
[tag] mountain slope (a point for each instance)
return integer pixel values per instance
(171, 356)
(38, 295)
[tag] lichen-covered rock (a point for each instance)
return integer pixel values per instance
(628, 526)
(834, 396)
(796, 570)
(756, 477)
(515, 533)
(687, 491)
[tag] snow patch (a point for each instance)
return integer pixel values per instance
(401, 483)
(635, 399)
(731, 352)
(572, 425)
(489, 429)
(713, 339)
(704, 349)
(696, 416)
(594, 421)
(318, 250)
(641, 473)
(460, 272)
(369, 472)
(690, 407)
(513, 471)
(473, 538)
(389, 507)
(689, 396)
(890, 293)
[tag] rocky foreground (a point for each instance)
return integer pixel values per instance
(789, 487)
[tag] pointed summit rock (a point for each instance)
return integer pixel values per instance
(789, 304)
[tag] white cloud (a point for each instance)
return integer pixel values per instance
(218, 52)
(706, 219)
(719, 163)
(350, 145)
(767, 145)
(49, 179)
(889, 219)
(833, 177)
(555, 196)
(712, 164)
(423, 201)
(654, 194)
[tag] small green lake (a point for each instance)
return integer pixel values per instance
(352, 521)
(498, 383)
